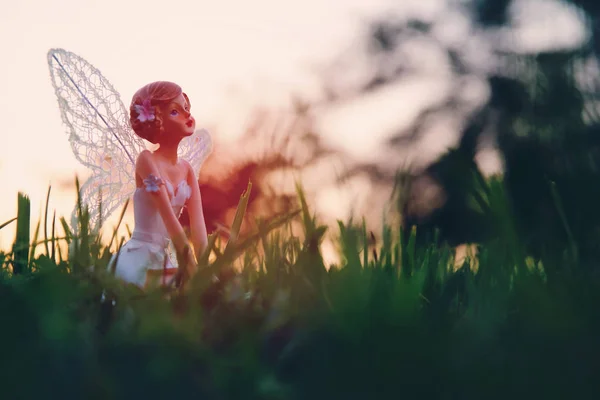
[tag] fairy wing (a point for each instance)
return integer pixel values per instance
(99, 132)
(195, 149)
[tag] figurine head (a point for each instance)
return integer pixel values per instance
(158, 108)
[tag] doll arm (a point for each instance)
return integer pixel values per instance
(198, 232)
(147, 171)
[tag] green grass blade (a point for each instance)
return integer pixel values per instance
(114, 235)
(34, 242)
(53, 254)
(365, 244)
(21, 245)
(8, 222)
(66, 229)
(239, 217)
(46, 222)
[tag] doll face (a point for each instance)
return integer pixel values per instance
(177, 119)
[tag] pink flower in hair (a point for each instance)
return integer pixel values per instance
(145, 111)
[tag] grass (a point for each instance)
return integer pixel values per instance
(265, 318)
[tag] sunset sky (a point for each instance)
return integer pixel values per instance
(230, 57)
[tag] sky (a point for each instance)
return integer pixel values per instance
(230, 56)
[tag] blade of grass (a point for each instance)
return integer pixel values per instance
(240, 212)
(46, 221)
(365, 239)
(53, 255)
(563, 217)
(34, 242)
(20, 247)
(60, 257)
(8, 222)
(66, 229)
(114, 235)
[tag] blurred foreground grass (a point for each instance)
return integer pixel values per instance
(265, 318)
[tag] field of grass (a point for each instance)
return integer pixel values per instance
(264, 318)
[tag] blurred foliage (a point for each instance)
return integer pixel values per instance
(273, 144)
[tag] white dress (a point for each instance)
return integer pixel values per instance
(147, 259)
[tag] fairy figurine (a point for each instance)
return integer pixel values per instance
(160, 113)
(162, 181)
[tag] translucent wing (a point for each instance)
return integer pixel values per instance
(99, 132)
(195, 149)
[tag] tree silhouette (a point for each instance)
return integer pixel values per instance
(542, 113)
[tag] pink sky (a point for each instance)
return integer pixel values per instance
(230, 56)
